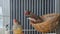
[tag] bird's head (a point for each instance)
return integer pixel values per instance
(15, 21)
(28, 13)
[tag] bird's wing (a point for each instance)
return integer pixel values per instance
(54, 19)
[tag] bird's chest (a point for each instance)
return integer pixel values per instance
(16, 27)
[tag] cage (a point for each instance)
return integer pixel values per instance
(38, 7)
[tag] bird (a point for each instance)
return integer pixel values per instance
(17, 28)
(45, 23)
(32, 17)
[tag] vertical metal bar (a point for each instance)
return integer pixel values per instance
(42, 6)
(50, 11)
(55, 6)
(23, 13)
(54, 11)
(16, 9)
(10, 14)
(34, 7)
(27, 20)
(37, 9)
(45, 6)
(19, 11)
(13, 12)
(30, 5)
(42, 9)
(24, 16)
(32, 11)
(50, 6)
(11, 17)
(37, 6)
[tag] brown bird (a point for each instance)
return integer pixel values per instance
(45, 23)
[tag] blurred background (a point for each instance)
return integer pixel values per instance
(14, 9)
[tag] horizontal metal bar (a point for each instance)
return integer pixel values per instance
(29, 30)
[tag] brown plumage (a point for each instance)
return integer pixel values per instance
(50, 23)
(45, 23)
